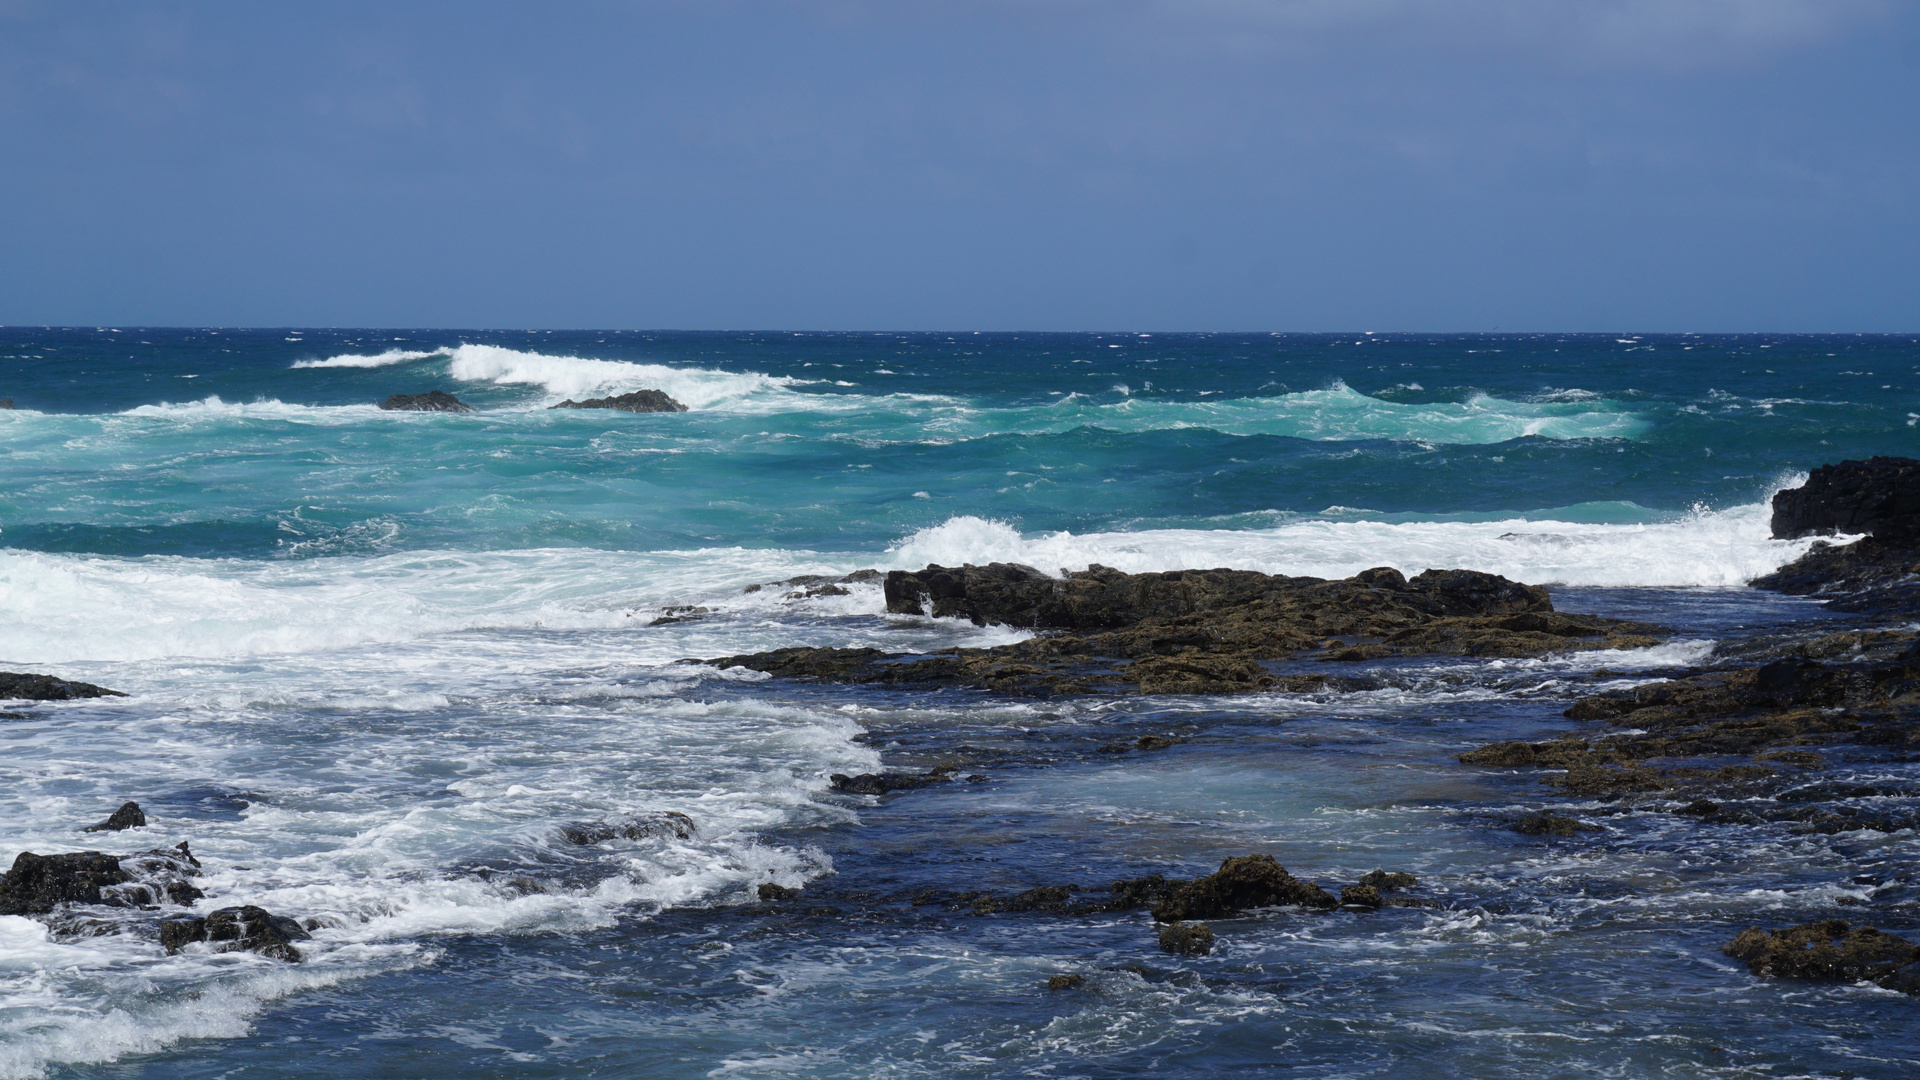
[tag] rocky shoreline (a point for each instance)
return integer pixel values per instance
(1741, 739)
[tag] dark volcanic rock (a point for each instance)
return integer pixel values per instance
(1829, 951)
(882, 783)
(236, 928)
(129, 816)
(1361, 896)
(1242, 882)
(629, 827)
(20, 685)
(1879, 497)
(431, 401)
(1872, 575)
(1066, 982)
(1197, 631)
(769, 891)
(1389, 880)
(1546, 825)
(37, 882)
(1187, 939)
(637, 401)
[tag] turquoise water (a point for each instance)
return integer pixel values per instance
(377, 659)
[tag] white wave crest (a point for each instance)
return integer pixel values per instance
(354, 360)
(214, 408)
(575, 376)
(1707, 548)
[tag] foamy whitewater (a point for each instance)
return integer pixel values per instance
(378, 663)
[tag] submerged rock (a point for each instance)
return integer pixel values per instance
(1242, 882)
(637, 401)
(629, 827)
(1186, 939)
(1066, 982)
(1832, 952)
(17, 685)
(129, 816)
(1547, 825)
(233, 929)
(882, 783)
(431, 401)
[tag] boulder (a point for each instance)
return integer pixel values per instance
(1187, 939)
(1828, 951)
(431, 401)
(1066, 982)
(1389, 880)
(1879, 497)
(17, 685)
(37, 882)
(637, 401)
(234, 929)
(1361, 896)
(129, 816)
(1242, 882)
(1546, 825)
(769, 891)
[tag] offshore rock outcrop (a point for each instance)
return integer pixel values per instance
(1198, 631)
(636, 401)
(22, 686)
(1242, 882)
(1880, 574)
(431, 401)
(36, 884)
(233, 929)
(1830, 951)
(1879, 497)
(1775, 714)
(129, 816)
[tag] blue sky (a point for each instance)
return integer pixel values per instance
(1702, 165)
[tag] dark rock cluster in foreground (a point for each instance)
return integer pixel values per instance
(1198, 631)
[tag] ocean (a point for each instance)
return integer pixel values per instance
(377, 663)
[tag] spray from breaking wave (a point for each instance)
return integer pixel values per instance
(1707, 548)
(354, 360)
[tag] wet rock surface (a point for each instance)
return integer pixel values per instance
(129, 816)
(37, 884)
(666, 823)
(1830, 951)
(17, 685)
(431, 401)
(1186, 939)
(1198, 631)
(1242, 882)
(885, 783)
(637, 401)
(1878, 497)
(233, 929)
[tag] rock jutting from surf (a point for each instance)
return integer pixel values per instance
(636, 401)
(1199, 631)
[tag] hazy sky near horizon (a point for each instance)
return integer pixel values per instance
(1704, 165)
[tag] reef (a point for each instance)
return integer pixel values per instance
(636, 401)
(431, 401)
(1830, 951)
(36, 884)
(233, 929)
(21, 686)
(1198, 631)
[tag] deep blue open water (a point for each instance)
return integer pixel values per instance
(376, 660)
